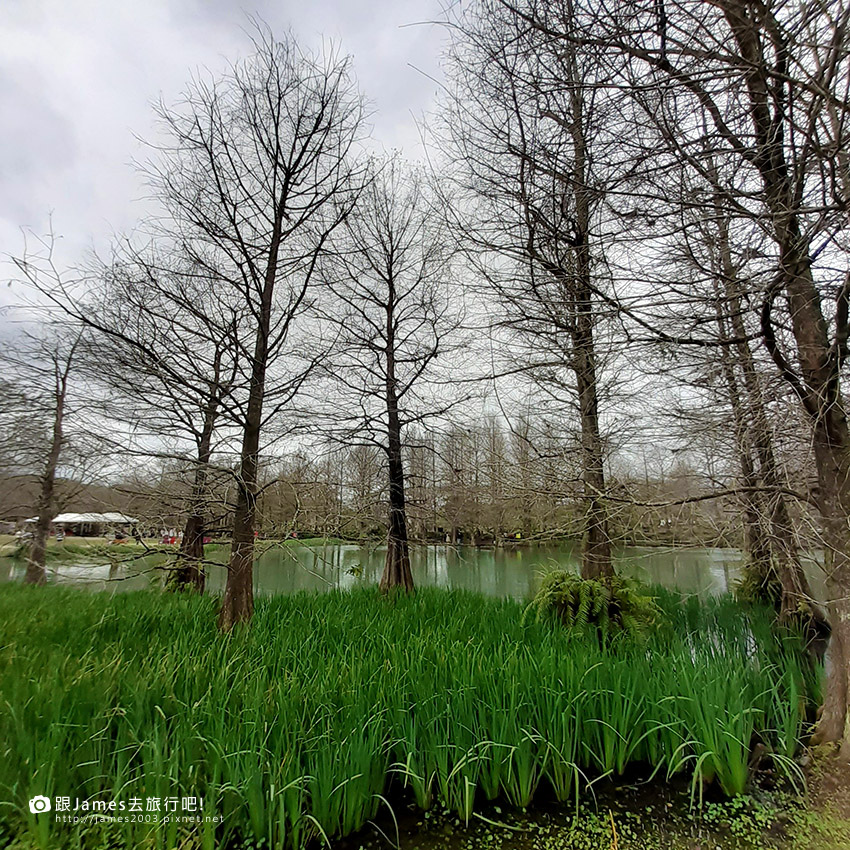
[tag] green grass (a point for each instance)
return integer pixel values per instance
(91, 551)
(85, 549)
(101, 550)
(332, 707)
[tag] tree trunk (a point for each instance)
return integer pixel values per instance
(36, 572)
(397, 572)
(771, 543)
(833, 724)
(190, 572)
(832, 454)
(596, 554)
(759, 567)
(36, 558)
(819, 391)
(819, 361)
(237, 604)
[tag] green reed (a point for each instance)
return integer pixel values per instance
(332, 707)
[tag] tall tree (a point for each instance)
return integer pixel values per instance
(774, 554)
(525, 125)
(35, 409)
(758, 89)
(164, 347)
(256, 172)
(167, 347)
(703, 284)
(389, 275)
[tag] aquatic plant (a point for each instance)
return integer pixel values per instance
(334, 706)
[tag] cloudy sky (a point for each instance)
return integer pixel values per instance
(77, 78)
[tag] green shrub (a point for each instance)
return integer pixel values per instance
(610, 606)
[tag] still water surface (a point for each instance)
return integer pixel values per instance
(512, 572)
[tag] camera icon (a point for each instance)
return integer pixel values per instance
(40, 804)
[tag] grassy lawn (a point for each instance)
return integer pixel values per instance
(102, 549)
(80, 548)
(334, 709)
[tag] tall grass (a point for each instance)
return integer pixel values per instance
(330, 707)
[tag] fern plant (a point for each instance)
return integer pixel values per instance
(609, 606)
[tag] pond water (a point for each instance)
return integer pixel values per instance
(514, 571)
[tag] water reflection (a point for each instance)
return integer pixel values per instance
(514, 572)
(498, 572)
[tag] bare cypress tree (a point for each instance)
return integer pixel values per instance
(761, 87)
(706, 257)
(36, 408)
(167, 347)
(526, 128)
(772, 542)
(256, 172)
(388, 273)
(164, 347)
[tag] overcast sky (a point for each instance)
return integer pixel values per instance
(77, 78)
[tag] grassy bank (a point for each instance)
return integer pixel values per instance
(333, 707)
(86, 549)
(102, 550)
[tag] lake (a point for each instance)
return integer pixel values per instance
(510, 571)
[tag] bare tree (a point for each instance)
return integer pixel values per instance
(256, 173)
(167, 348)
(760, 90)
(704, 294)
(163, 347)
(389, 275)
(525, 126)
(771, 540)
(35, 407)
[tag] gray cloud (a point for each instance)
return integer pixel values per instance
(77, 78)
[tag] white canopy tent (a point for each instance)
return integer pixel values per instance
(108, 518)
